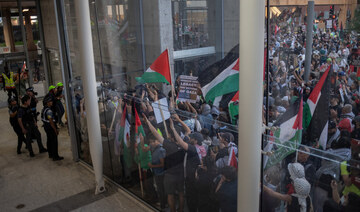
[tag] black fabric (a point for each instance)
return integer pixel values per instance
(174, 158)
(52, 141)
(26, 116)
(14, 120)
(295, 207)
(33, 130)
(192, 162)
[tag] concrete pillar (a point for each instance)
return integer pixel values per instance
(158, 30)
(251, 51)
(8, 29)
(309, 38)
(29, 33)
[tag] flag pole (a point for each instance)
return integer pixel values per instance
(141, 184)
(113, 119)
(163, 118)
(171, 80)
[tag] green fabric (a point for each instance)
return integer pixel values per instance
(306, 116)
(233, 111)
(143, 158)
(228, 85)
(151, 77)
(352, 188)
(286, 149)
(127, 156)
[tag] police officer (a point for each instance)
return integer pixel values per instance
(9, 83)
(28, 125)
(47, 116)
(60, 110)
(33, 102)
(13, 110)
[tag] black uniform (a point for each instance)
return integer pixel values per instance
(29, 124)
(15, 124)
(52, 138)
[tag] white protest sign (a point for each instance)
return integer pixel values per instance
(329, 24)
(161, 106)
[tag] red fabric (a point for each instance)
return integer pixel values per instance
(345, 124)
(162, 66)
(315, 93)
(233, 160)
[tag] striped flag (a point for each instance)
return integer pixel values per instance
(316, 111)
(226, 82)
(159, 71)
(288, 136)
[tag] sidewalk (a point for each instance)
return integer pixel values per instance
(40, 184)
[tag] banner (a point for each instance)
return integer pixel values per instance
(188, 88)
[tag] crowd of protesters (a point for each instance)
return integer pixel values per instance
(186, 162)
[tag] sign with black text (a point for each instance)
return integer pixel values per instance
(188, 88)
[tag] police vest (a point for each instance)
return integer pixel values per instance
(44, 117)
(9, 82)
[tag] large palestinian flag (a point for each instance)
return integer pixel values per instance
(226, 82)
(288, 136)
(159, 71)
(316, 111)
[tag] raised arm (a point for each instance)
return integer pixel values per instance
(178, 139)
(153, 130)
(277, 195)
(186, 128)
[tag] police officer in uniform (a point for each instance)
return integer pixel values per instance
(9, 83)
(28, 125)
(50, 128)
(13, 110)
(33, 102)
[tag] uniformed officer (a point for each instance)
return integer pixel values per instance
(60, 110)
(28, 125)
(33, 102)
(13, 112)
(9, 83)
(47, 116)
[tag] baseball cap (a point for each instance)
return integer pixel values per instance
(51, 87)
(60, 84)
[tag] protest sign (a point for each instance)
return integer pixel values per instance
(329, 24)
(161, 110)
(188, 88)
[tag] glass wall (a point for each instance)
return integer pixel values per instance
(189, 161)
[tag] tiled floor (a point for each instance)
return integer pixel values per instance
(40, 184)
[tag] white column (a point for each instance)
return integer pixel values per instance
(251, 52)
(86, 58)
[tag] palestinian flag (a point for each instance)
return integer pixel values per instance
(159, 71)
(226, 82)
(234, 108)
(316, 111)
(144, 157)
(289, 21)
(124, 136)
(207, 75)
(288, 136)
(138, 126)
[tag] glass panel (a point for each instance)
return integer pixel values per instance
(202, 42)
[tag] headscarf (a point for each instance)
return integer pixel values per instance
(302, 189)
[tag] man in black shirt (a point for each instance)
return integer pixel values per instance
(174, 167)
(28, 125)
(13, 112)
